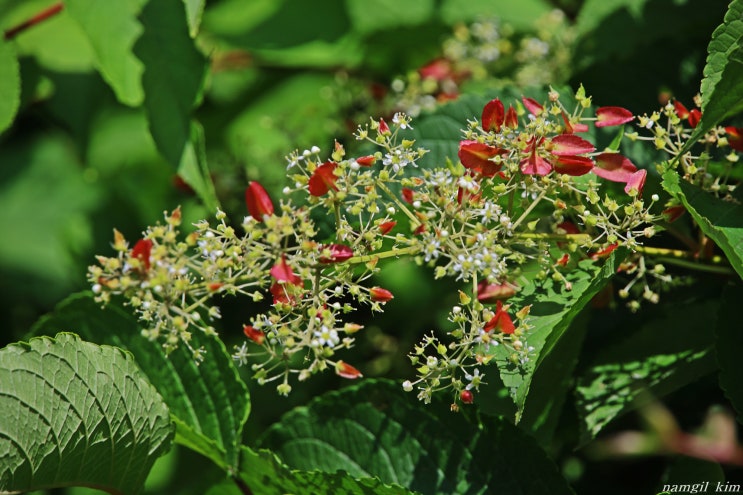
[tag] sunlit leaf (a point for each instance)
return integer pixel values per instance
(376, 429)
(114, 56)
(553, 308)
(721, 220)
(664, 354)
(263, 474)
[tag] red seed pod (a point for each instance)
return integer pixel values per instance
(466, 397)
(609, 116)
(347, 371)
(323, 179)
(258, 201)
(337, 253)
(141, 251)
(385, 227)
(254, 334)
(379, 294)
(493, 115)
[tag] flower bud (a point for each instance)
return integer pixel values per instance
(254, 334)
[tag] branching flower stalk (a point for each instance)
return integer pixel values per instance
(527, 192)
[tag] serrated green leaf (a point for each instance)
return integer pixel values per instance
(553, 309)
(728, 345)
(724, 47)
(209, 401)
(721, 88)
(112, 29)
(10, 85)
(374, 429)
(194, 11)
(264, 474)
(664, 354)
(74, 413)
(721, 220)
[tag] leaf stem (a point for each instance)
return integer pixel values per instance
(41, 16)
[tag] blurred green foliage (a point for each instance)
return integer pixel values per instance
(103, 131)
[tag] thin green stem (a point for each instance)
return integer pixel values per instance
(399, 203)
(529, 209)
(392, 253)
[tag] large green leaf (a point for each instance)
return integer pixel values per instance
(376, 430)
(112, 29)
(173, 80)
(208, 401)
(665, 353)
(728, 346)
(74, 413)
(553, 308)
(721, 220)
(521, 14)
(10, 85)
(722, 90)
(261, 473)
(368, 17)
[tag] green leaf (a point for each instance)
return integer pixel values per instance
(722, 91)
(45, 202)
(277, 122)
(264, 474)
(74, 413)
(368, 17)
(520, 15)
(728, 345)
(374, 429)
(173, 80)
(666, 352)
(721, 221)
(10, 85)
(553, 308)
(193, 168)
(112, 29)
(194, 11)
(552, 383)
(209, 402)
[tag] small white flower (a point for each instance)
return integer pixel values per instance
(475, 379)
(241, 354)
(401, 120)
